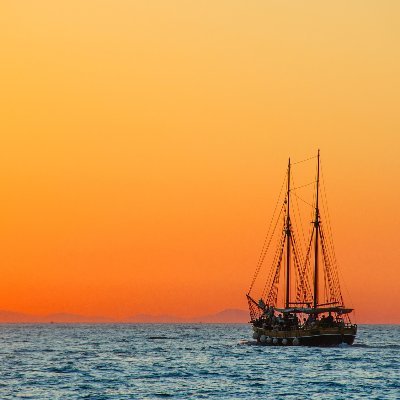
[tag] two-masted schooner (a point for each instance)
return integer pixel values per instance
(306, 307)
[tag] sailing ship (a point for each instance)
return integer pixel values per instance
(306, 307)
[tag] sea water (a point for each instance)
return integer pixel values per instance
(190, 362)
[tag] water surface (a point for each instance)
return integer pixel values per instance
(190, 362)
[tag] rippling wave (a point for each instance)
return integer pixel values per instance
(190, 362)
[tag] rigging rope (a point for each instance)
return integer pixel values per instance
(301, 161)
(268, 282)
(297, 196)
(330, 242)
(265, 246)
(307, 184)
(299, 214)
(301, 287)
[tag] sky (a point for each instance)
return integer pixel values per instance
(143, 145)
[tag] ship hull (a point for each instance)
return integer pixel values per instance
(307, 337)
(326, 340)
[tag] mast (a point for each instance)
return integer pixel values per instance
(288, 241)
(316, 224)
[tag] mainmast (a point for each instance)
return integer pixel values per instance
(316, 224)
(288, 241)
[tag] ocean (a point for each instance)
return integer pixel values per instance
(199, 361)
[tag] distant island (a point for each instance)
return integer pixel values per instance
(229, 316)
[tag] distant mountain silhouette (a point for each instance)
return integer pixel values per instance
(16, 317)
(73, 318)
(155, 319)
(229, 316)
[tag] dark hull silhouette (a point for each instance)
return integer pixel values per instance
(327, 340)
(332, 336)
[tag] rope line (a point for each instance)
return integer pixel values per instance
(306, 159)
(307, 184)
(265, 246)
(309, 204)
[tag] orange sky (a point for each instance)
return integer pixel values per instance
(143, 145)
